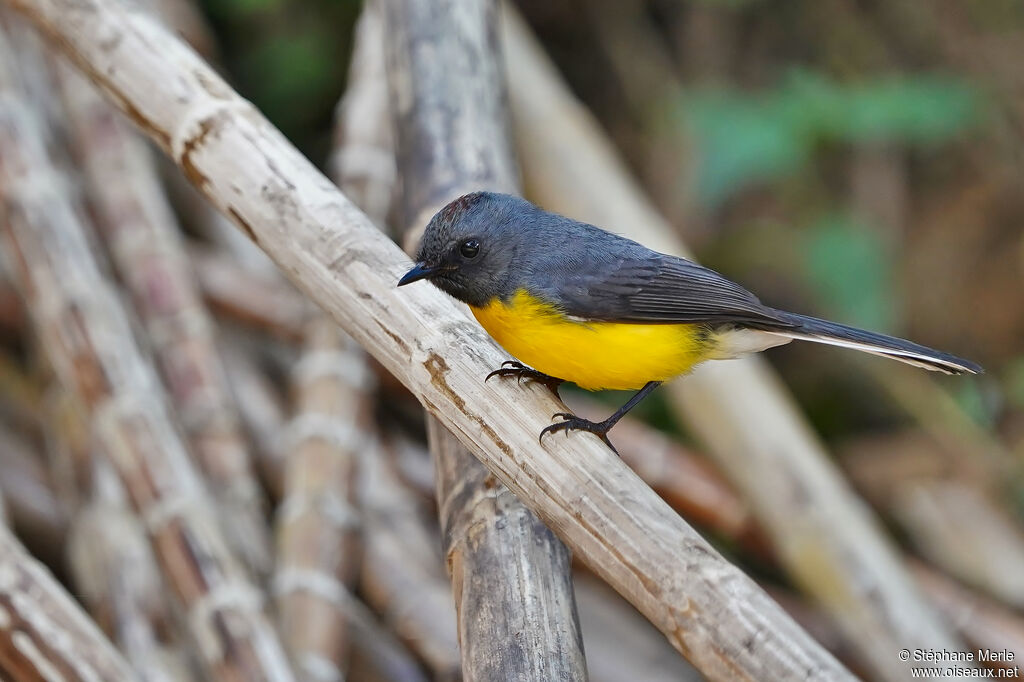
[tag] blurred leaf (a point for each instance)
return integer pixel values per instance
(292, 71)
(848, 266)
(743, 138)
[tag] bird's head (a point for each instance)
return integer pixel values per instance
(468, 249)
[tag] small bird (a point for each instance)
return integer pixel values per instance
(572, 302)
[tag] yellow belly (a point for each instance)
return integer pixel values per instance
(593, 355)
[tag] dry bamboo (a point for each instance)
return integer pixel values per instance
(139, 228)
(620, 644)
(403, 574)
(249, 296)
(111, 564)
(88, 340)
(44, 634)
(318, 538)
(262, 410)
(934, 493)
(983, 624)
(823, 534)
(510, 575)
(34, 509)
(684, 479)
(116, 577)
(710, 611)
(317, 523)
(376, 655)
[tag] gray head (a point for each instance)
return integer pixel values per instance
(470, 246)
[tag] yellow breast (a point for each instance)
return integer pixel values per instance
(593, 355)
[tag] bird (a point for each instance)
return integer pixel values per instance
(573, 302)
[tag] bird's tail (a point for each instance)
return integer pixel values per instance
(823, 331)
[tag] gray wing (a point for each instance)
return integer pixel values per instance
(646, 286)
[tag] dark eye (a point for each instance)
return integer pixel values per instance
(470, 248)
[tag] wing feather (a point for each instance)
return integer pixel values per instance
(656, 288)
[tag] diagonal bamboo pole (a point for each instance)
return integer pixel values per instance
(708, 609)
(510, 575)
(87, 337)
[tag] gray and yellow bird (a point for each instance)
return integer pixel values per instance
(572, 302)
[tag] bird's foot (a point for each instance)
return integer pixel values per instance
(511, 368)
(571, 422)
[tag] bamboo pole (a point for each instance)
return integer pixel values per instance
(262, 410)
(402, 573)
(89, 341)
(35, 511)
(111, 564)
(984, 624)
(44, 634)
(142, 236)
(249, 296)
(824, 535)
(510, 575)
(709, 610)
(317, 522)
(116, 577)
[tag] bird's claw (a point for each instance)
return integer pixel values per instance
(571, 422)
(512, 368)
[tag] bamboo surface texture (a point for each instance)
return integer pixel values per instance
(89, 341)
(707, 608)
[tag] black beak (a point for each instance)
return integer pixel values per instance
(420, 271)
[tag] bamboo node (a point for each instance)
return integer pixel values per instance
(328, 504)
(348, 368)
(319, 583)
(342, 435)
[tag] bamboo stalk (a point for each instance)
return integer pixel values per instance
(262, 411)
(709, 610)
(684, 479)
(44, 635)
(117, 578)
(946, 506)
(402, 573)
(35, 512)
(621, 645)
(510, 575)
(984, 624)
(318, 535)
(317, 523)
(139, 228)
(248, 295)
(111, 564)
(88, 340)
(824, 535)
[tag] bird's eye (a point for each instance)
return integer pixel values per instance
(470, 248)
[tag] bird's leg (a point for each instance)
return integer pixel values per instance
(512, 368)
(573, 423)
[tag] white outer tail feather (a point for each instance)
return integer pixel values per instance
(928, 362)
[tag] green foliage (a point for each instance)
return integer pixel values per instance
(745, 138)
(850, 268)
